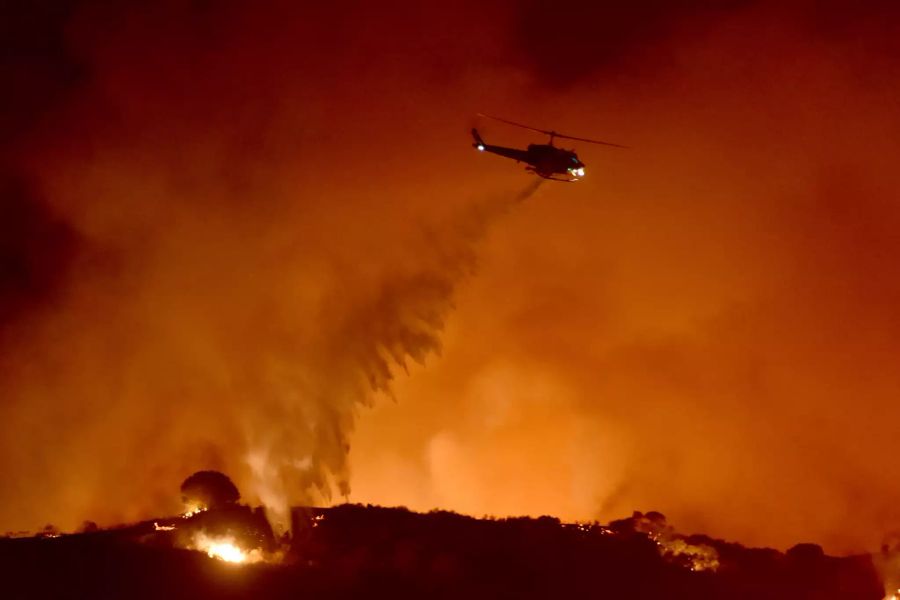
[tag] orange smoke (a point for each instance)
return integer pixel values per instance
(276, 212)
(706, 327)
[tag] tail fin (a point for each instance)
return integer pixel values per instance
(479, 143)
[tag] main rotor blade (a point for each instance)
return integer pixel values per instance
(552, 133)
(508, 122)
(569, 137)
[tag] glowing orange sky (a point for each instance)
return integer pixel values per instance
(269, 207)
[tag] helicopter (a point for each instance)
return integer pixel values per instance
(544, 160)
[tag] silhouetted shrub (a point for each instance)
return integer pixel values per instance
(209, 489)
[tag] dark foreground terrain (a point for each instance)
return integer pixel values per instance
(355, 551)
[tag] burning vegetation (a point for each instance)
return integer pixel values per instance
(694, 555)
(216, 524)
(353, 550)
(226, 548)
(888, 562)
(208, 489)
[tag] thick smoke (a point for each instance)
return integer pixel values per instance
(240, 256)
(706, 327)
(229, 225)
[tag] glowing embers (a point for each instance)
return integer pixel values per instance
(696, 557)
(191, 510)
(225, 548)
(685, 551)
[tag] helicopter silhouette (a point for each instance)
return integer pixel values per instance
(544, 160)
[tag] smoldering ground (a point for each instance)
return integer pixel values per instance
(236, 220)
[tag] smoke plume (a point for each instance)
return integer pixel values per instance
(224, 226)
(231, 275)
(704, 327)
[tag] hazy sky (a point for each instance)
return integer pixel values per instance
(255, 237)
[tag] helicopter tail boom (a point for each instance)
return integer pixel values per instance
(513, 153)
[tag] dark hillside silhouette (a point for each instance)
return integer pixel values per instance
(354, 551)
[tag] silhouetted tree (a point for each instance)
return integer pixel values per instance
(209, 489)
(88, 527)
